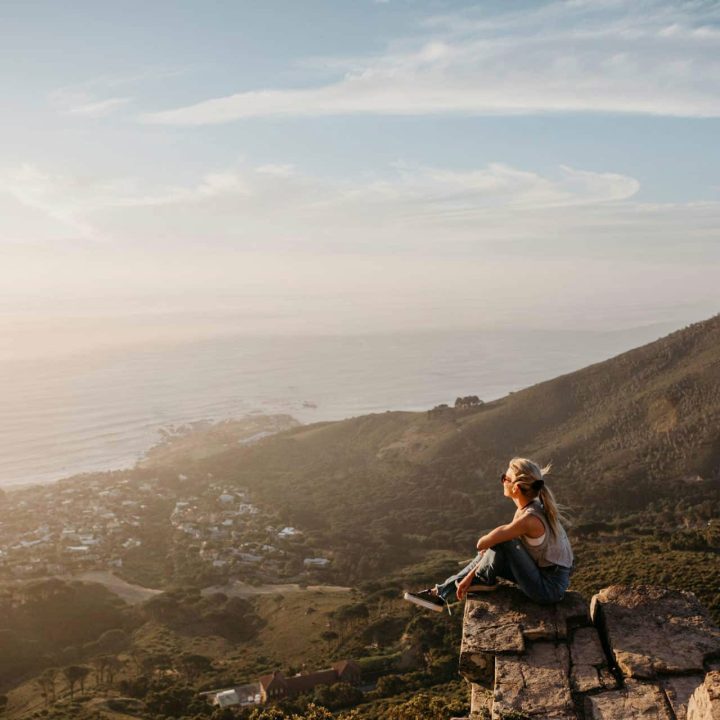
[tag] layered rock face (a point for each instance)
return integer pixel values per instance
(635, 652)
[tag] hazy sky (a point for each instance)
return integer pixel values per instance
(315, 166)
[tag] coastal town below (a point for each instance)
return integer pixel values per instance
(118, 522)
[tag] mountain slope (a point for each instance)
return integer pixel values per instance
(622, 435)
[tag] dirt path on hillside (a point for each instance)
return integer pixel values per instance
(135, 594)
(241, 589)
(131, 594)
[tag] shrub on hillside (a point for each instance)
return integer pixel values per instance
(188, 610)
(338, 696)
(425, 706)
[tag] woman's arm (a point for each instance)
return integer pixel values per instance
(524, 525)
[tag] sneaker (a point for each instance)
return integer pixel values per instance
(428, 599)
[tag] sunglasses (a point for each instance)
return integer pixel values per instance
(504, 478)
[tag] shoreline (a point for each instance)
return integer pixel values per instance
(244, 387)
(196, 428)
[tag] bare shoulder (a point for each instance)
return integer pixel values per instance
(534, 525)
(527, 524)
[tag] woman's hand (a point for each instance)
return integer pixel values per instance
(463, 586)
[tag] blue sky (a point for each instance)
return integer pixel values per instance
(365, 164)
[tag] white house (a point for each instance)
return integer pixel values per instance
(288, 532)
(316, 562)
(239, 695)
(227, 698)
(247, 509)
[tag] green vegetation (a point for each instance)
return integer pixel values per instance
(203, 439)
(181, 642)
(189, 612)
(396, 500)
(53, 622)
(652, 560)
(634, 439)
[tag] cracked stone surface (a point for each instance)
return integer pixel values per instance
(504, 621)
(655, 630)
(541, 660)
(501, 622)
(704, 703)
(679, 689)
(589, 664)
(636, 701)
(535, 684)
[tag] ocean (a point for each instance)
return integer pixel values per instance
(103, 409)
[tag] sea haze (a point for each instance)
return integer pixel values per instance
(103, 409)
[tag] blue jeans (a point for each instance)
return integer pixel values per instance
(511, 561)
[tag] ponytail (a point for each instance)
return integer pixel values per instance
(530, 478)
(554, 512)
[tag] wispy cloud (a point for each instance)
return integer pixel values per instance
(57, 198)
(656, 58)
(99, 108)
(276, 201)
(418, 243)
(485, 212)
(80, 103)
(99, 96)
(413, 211)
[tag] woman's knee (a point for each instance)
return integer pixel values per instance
(503, 550)
(505, 545)
(554, 593)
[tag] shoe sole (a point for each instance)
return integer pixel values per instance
(423, 603)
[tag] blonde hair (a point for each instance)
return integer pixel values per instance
(530, 479)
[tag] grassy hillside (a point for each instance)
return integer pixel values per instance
(624, 436)
(398, 499)
(180, 643)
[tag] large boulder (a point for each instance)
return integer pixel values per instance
(504, 621)
(653, 630)
(650, 654)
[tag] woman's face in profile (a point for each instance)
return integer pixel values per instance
(508, 484)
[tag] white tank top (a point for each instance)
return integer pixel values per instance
(535, 542)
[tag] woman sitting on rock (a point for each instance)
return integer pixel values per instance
(533, 550)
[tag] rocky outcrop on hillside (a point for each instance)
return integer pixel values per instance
(634, 652)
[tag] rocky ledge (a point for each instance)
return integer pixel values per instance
(634, 652)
